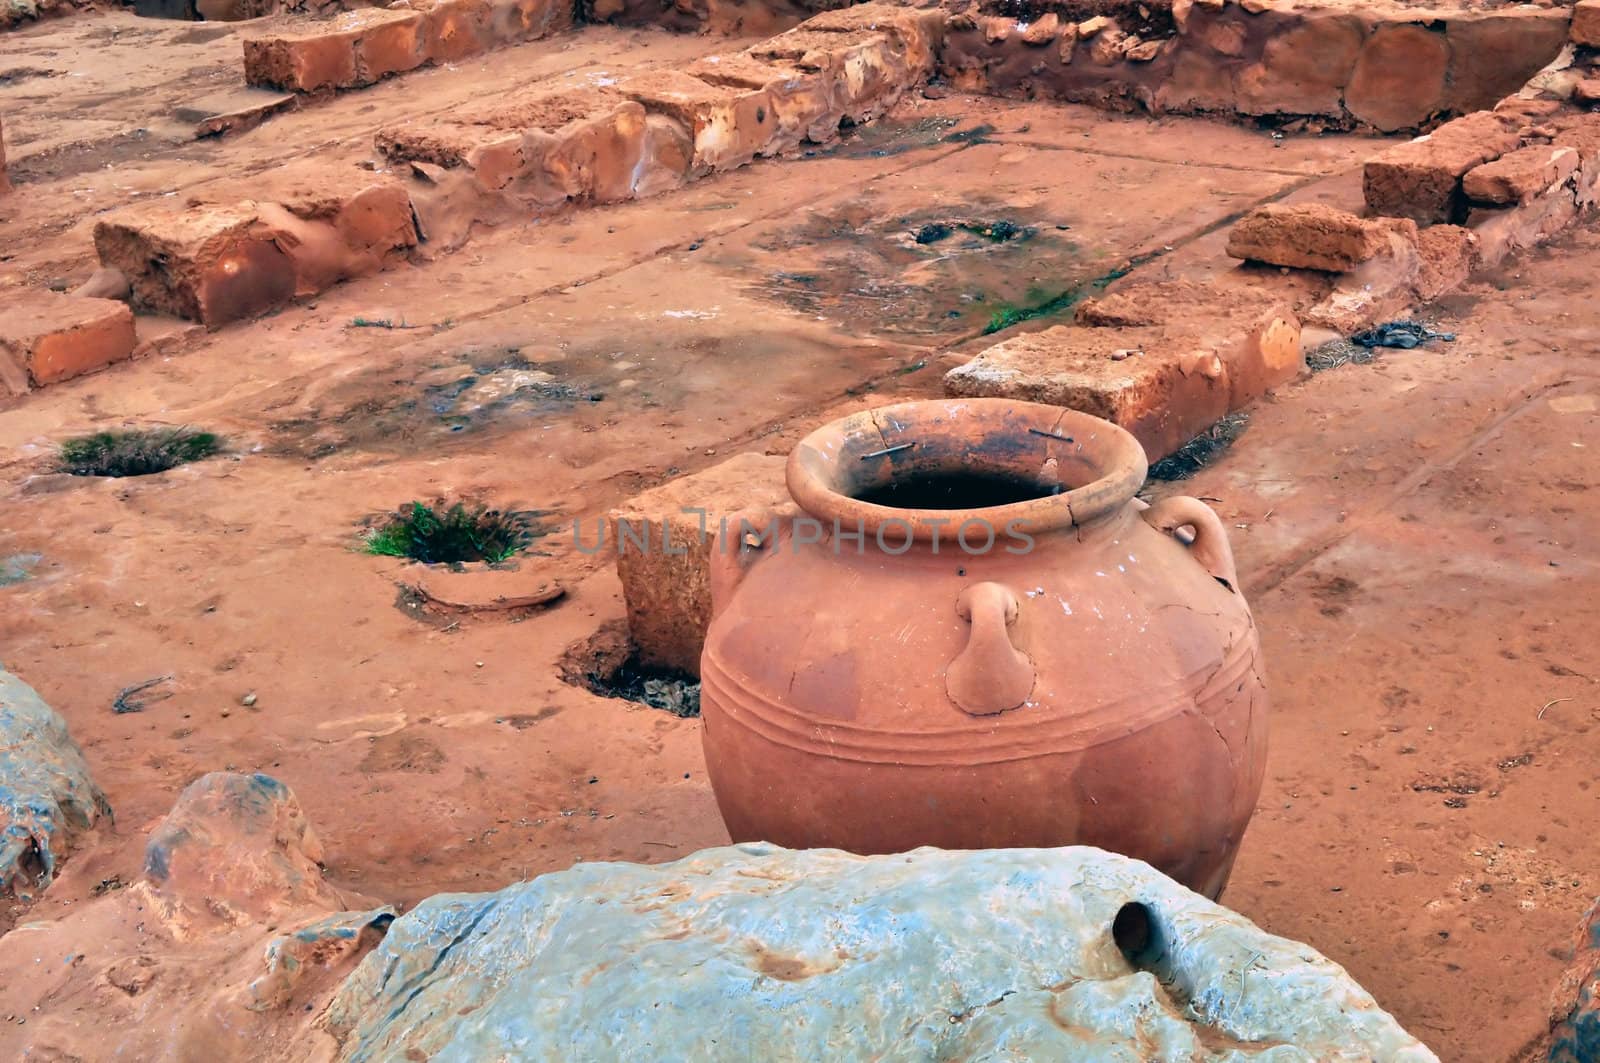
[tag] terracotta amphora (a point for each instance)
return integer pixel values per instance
(975, 636)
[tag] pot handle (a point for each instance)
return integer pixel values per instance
(747, 537)
(1210, 546)
(990, 675)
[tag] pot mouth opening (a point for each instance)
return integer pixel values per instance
(932, 465)
(959, 489)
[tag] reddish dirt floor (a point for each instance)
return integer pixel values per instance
(1412, 532)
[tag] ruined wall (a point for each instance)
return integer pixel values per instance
(1389, 69)
(731, 17)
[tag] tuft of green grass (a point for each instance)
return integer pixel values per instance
(135, 451)
(440, 534)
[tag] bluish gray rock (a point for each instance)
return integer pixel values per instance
(752, 952)
(46, 794)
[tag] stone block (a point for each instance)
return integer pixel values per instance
(391, 42)
(1043, 30)
(528, 20)
(1585, 28)
(729, 126)
(592, 149)
(916, 33)
(546, 147)
(1421, 179)
(46, 337)
(1581, 133)
(305, 60)
(664, 560)
(1312, 236)
(209, 263)
(1518, 176)
(1250, 326)
(455, 29)
(1494, 53)
(1447, 254)
(866, 71)
(1304, 69)
(1399, 78)
(802, 101)
(1164, 387)
(234, 110)
(332, 224)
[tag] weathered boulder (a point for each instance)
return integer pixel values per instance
(236, 847)
(752, 951)
(177, 962)
(46, 794)
(1573, 1035)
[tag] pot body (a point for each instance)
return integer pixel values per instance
(1102, 687)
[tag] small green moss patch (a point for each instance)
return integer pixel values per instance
(136, 451)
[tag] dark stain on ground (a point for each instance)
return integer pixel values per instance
(939, 271)
(18, 74)
(69, 160)
(391, 409)
(402, 752)
(887, 138)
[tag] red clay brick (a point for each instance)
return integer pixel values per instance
(390, 42)
(1519, 176)
(305, 60)
(1421, 179)
(456, 29)
(1312, 236)
(211, 264)
(46, 337)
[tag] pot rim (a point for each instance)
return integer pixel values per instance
(833, 460)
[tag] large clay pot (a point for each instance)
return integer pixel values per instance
(903, 687)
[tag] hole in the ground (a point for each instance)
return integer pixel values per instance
(608, 664)
(1201, 450)
(453, 533)
(135, 451)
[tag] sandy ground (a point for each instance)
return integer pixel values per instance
(1411, 531)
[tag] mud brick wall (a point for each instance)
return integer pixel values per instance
(1392, 71)
(729, 17)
